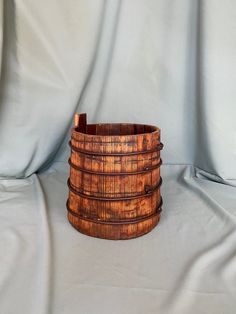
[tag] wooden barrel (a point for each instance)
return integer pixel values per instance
(114, 184)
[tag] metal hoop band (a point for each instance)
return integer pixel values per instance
(149, 190)
(118, 222)
(86, 152)
(147, 169)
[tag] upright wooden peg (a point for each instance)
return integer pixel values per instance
(80, 121)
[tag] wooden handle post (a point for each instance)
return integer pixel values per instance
(80, 121)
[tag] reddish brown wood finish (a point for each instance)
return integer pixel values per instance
(114, 184)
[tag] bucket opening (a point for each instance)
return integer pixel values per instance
(117, 129)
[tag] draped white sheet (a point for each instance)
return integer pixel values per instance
(161, 62)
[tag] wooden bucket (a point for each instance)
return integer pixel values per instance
(114, 184)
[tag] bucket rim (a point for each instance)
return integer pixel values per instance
(155, 130)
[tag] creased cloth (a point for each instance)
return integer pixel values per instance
(187, 264)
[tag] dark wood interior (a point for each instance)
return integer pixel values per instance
(116, 129)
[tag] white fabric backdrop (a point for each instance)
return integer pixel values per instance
(161, 62)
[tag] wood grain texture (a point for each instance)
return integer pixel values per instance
(114, 184)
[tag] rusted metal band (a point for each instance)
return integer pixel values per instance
(149, 190)
(116, 222)
(146, 169)
(86, 152)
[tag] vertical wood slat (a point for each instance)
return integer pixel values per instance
(96, 173)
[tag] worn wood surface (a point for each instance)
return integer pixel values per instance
(114, 184)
